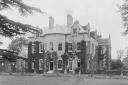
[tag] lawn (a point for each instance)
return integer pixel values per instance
(65, 80)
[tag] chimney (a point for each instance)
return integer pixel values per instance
(51, 22)
(69, 20)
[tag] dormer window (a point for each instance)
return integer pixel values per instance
(74, 31)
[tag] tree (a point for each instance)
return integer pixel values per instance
(16, 44)
(120, 54)
(11, 28)
(124, 15)
(116, 64)
(125, 63)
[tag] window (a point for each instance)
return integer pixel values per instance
(78, 46)
(33, 47)
(51, 64)
(59, 64)
(41, 47)
(45, 46)
(78, 63)
(75, 31)
(60, 46)
(40, 64)
(69, 46)
(32, 65)
(51, 45)
(70, 64)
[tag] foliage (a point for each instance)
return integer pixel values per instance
(125, 63)
(65, 58)
(83, 56)
(16, 44)
(55, 58)
(11, 28)
(120, 54)
(124, 15)
(9, 56)
(46, 60)
(116, 64)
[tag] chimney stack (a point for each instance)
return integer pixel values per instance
(69, 20)
(51, 22)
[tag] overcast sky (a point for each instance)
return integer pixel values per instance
(102, 15)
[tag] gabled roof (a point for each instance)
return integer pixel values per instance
(61, 29)
(104, 41)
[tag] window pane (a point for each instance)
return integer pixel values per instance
(69, 46)
(59, 63)
(41, 47)
(51, 45)
(33, 48)
(78, 46)
(60, 46)
(74, 31)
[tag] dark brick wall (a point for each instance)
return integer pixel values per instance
(34, 57)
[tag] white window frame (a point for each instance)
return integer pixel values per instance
(77, 46)
(41, 48)
(40, 61)
(50, 66)
(60, 45)
(61, 65)
(70, 47)
(33, 47)
(33, 65)
(51, 46)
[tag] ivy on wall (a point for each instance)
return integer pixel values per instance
(46, 61)
(55, 59)
(83, 56)
(65, 58)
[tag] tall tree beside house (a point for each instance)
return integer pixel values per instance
(11, 28)
(46, 61)
(55, 58)
(124, 15)
(65, 58)
(83, 56)
(125, 63)
(16, 44)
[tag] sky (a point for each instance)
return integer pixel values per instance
(102, 15)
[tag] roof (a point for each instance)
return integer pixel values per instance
(104, 41)
(93, 34)
(61, 29)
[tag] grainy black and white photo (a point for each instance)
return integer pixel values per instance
(63, 42)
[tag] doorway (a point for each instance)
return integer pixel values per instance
(51, 64)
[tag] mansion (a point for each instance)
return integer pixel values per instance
(70, 46)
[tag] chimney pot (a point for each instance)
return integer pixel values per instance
(51, 22)
(69, 20)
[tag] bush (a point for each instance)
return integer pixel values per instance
(77, 70)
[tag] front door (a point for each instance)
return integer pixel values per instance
(51, 64)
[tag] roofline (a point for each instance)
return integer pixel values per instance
(61, 34)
